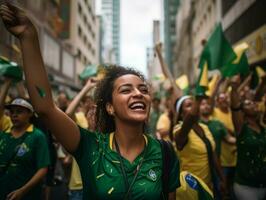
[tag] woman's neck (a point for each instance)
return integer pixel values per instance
(130, 140)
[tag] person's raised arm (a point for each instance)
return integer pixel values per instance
(18, 24)
(261, 89)
(75, 102)
(237, 114)
(188, 122)
(3, 94)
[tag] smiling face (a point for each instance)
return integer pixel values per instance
(130, 99)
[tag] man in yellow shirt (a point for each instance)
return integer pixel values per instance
(222, 113)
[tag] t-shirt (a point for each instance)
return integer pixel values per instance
(164, 125)
(194, 157)
(101, 169)
(5, 123)
(75, 182)
(81, 120)
(228, 151)
(31, 154)
(251, 157)
(218, 132)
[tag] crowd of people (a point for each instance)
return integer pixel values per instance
(118, 139)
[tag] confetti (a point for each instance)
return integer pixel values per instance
(41, 92)
(99, 176)
(111, 190)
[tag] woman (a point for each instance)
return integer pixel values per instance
(195, 144)
(118, 163)
(250, 179)
(24, 155)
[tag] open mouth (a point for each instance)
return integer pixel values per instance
(137, 106)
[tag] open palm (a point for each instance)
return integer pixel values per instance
(15, 19)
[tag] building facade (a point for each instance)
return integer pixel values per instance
(83, 37)
(245, 21)
(153, 64)
(170, 11)
(67, 37)
(111, 31)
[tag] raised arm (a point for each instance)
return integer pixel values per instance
(75, 102)
(18, 24)
(3, 94)
(189, 120)
(237, 114)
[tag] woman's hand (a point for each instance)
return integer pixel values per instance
(16, 21)
(15, 195)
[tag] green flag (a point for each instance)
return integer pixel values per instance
(89, 71)
(236, 68)
(216, 54)
(10, 69)
(217, 51)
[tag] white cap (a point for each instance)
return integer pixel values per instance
(20, 102)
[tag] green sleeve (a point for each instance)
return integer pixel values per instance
(86, 144)
(42, 151)
(174, 181)
(222, 129)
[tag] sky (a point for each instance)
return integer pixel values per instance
(136, 18)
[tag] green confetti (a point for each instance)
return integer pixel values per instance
(41, 92)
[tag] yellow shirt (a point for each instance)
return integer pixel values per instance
(75, 182)
(81, 120)
(163, 125)
(5, 123)
(228, 151)
(194, 155)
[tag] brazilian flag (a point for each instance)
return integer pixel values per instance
(193, 188)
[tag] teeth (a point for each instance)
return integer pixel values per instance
(137, 105)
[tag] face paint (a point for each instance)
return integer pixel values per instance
(41, 92)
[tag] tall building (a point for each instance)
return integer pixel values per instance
(111, 31)
(245, 21)
(153, 64)
(83, 37)
(59, 60)
(170, 11)
(184, 18)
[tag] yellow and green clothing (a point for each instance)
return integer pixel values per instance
(193, 188)
(218, 132)
(75, 182)
(228, 151)
(251, 157)
(101, 169)
(194, 156)
(31, 154)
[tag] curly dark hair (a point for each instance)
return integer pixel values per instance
(103, 95)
